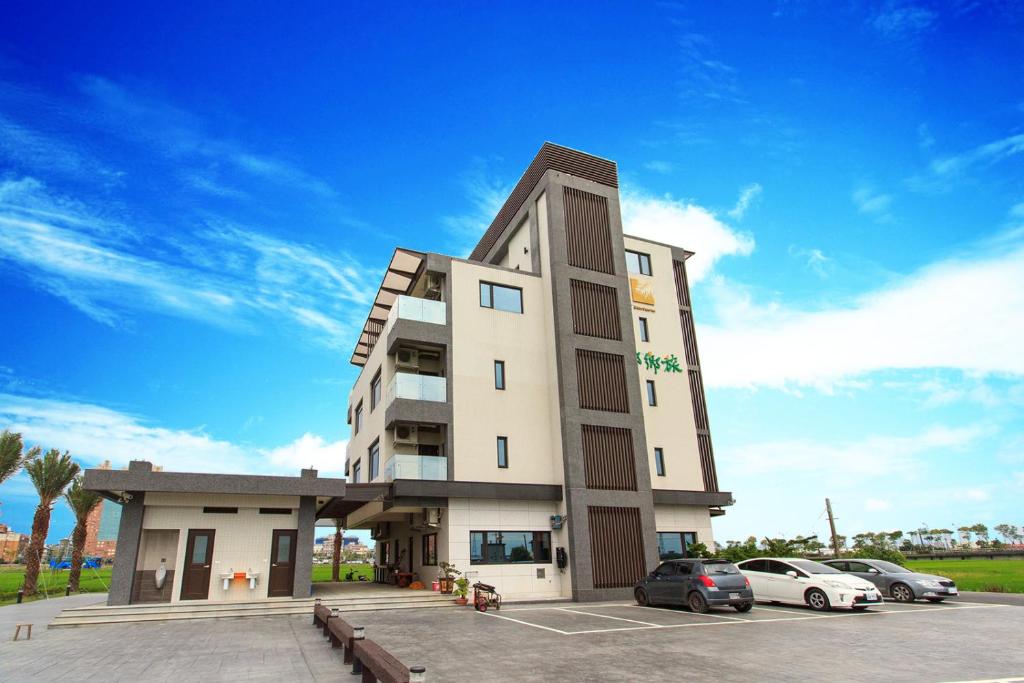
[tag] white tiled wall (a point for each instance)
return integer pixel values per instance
(513, 581)
(241, 542)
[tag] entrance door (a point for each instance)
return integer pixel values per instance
(282, 563)
(195, 584)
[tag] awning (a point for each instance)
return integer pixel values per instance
(402, 273)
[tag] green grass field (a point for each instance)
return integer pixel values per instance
(54, 583)
(976, 574)
(322, 572)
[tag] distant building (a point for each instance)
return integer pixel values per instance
(102, 525)
(12, 545)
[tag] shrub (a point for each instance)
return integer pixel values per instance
(878, 552)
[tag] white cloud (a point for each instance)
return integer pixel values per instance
(963, 313)
(659, 166)
(903, 21)
(486, 197)
(989, 153)
(974, 495)
(683, 224)
(877, 505)
(747, 197)
(94, 433)
(223, 275)
(872, 203)
(814, 260)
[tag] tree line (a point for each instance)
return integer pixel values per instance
(54, 475)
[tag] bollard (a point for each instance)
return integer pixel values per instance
(67, 591)
(21, 594)
(417, 674)
(358, 633)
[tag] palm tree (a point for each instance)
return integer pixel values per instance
(50, 474)
(336, 558)
(12, 455)
(82, 502)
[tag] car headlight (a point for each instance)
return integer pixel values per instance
(835, 584)
(930, 584)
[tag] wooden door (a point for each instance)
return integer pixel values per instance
(282, 563)
(195, 582)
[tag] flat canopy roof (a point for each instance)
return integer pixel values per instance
(399, 278)
(140, 477)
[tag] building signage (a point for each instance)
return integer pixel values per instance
(642, 291)
(667, 363)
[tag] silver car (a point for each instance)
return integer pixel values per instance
(899, 583)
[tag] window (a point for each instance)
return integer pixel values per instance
(275, 511)
(503, 451)
(659, 461)
(375, 391)
(652, 396)
(667, 569)
(499, 374)
(855, 567)
(638, 263)
(501, 298)
(220, 510)
(429, 549)
(358, 427)
(374, 460)
(673, 545)
(645, 335)
(509, 547)
(357, 470)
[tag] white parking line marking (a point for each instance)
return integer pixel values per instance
(605, 616)
(525, 623)
(662, 610)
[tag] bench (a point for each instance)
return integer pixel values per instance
(341, 634)
(380, 665)
(322, 616)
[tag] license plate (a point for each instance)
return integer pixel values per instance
(734, 596)
(873, 597)
(953, 591)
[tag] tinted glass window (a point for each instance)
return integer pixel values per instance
(501, 298)
(375, 392)
(638, 263)
(509, 547)
(284, 548)
(720, 568)
(356, 471)
(775, 567)
(815, 567)
(855, 567)
(891, 568)
(199, 549)
(754, 566)
(499, 374)
(502, 451)
(374, 461)
(659, 462)
(684, 568)
(652, 396)
(644, 333)
(666, 569)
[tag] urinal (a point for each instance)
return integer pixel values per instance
(161, 574)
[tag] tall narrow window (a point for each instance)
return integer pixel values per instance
(375, 391)
(638, 263)
(659, 462)
(374, 460)
(652, 395)
(499, 374)
(503, 451)
(357, 470)
(358, 427)
(645, 335)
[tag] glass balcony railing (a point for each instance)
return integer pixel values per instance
(412, 308)
(417, 387)
(402, 466)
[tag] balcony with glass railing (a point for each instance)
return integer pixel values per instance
(421, 310)
(405, 466)
(417, 387)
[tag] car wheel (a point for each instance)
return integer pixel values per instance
(901, 592)
(697, 603)
(935, 599)
(641, 597)
(745, 607)
(817, 600)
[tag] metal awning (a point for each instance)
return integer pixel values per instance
(403, 271)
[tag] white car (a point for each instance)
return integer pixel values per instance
(804, 582)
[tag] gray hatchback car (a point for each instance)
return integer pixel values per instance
(696, 583)
(899, 583)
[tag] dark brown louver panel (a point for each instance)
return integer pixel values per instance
(700, 410)
(588, 235)
(608, 458)
(602, 381)
(595, 310)
(707, 462)
(682, 286)
(616, 546)
(689, 338)
(552, 157)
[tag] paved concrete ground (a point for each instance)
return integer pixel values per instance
(960, 641)
(40, 612)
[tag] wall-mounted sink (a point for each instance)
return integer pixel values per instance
(253, 577)
(226, 579)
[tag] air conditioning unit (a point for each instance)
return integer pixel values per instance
(405, 435)
(407, 358)
(431, 517)
(434, 284)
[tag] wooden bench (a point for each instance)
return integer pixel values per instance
(378, 664)
(17, 631)
(341, 634)
(321, 616)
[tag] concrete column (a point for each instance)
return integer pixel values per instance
(129, 534)
(302, 587)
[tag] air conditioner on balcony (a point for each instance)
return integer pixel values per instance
(432, 517)
(434, 284)
(407, 358)
(405, 435)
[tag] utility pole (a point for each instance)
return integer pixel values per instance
(832, 525)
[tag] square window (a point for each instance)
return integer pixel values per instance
(638, 263)
(503, 451)
(659, 461)
(499, 374)
(645, 335)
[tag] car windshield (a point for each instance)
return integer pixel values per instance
(814, 567)
(720, 568)
(890, 568)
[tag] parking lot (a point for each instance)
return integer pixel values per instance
(619, 641)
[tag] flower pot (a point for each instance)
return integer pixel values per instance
(446, 585)
(461, 601)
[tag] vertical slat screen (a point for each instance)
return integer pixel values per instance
(682, 286)
(707, 462)
(689, 338)
(608, 458)
(616, 546)
(588, 233)
(595, 310)
(374, 329)
(700, 409)
(601, 378)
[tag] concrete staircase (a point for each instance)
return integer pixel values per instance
(273, 607)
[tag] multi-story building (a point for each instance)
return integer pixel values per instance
(12, 545)
(535, 413)
(101, 527)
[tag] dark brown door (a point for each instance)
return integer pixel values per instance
(195, 584)
(282, 563)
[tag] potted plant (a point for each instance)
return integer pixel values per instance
(461, 590)
(446, 577)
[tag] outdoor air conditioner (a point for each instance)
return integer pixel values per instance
(405, 435)
(431, 517)
(433, 286)
(407, 358)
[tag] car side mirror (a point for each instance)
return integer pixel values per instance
(791, 574)
(872, 570)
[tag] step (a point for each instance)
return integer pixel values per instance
(64, 620)
(302, 604)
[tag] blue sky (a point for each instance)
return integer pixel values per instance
(196, 205)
